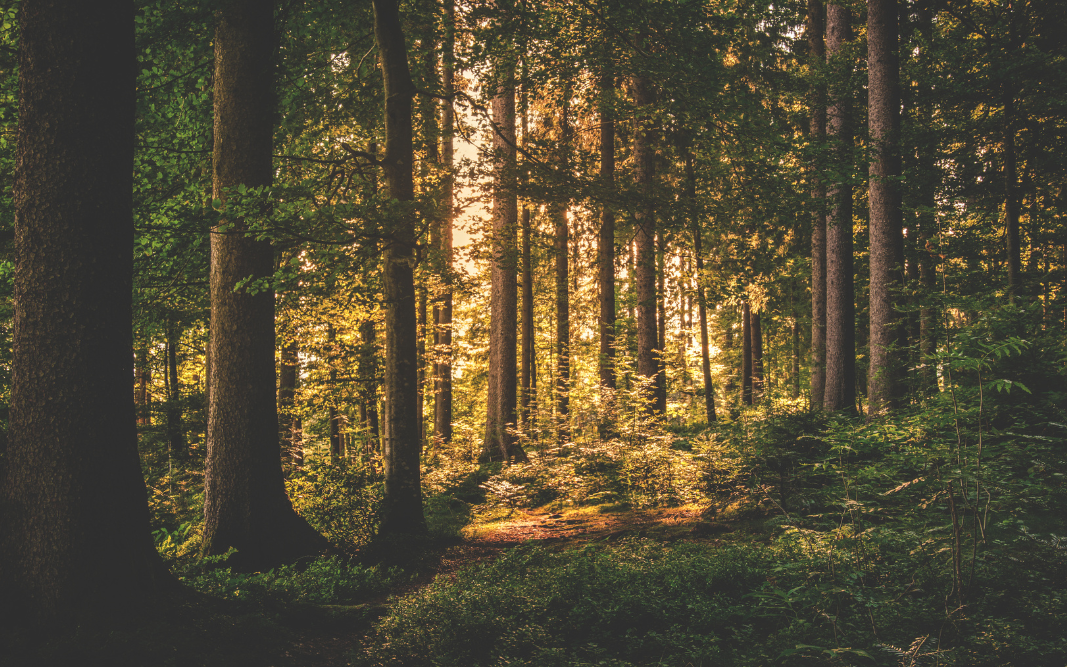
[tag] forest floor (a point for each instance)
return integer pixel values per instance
(485, 541)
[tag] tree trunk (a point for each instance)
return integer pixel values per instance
(606, 239)
(794, 391)
(705, 357)
(645, 261)
(1011, 193)
(563, 318)
(368, 375)
(756, 332)
(337, 452)
(288, 381)
(840, 390)
(245, 505)
(887, 343)
(175, 430)
(817, 130)
(746, 354)
(500, 445)
(661, 324)
(402, 505)
(74, 524)
(443, 311)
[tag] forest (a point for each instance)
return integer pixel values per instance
(533, 332)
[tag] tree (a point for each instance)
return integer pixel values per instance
(245, 505)
(840, 390)
(886, 221)
(443, 310)
(817, 132)
(74, 525)
(648, 365)
(402, 504)
(606, 237)
(563, 319)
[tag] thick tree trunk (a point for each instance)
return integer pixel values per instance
(402, 505)
(500, 445)
(746, 354)
(606, 239)
(245, 505)
(840, 390)
(175, 429)
(74, 526)
(817, 130)
(645, 261)
(443, 310)
(887, 343)
(756, 332)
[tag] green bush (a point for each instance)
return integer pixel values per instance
(340, 501)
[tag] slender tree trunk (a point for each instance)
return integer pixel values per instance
(563, 318)
(288, 381)
(420, 351)
(368, 373)
(500, 445)
(606, 239)
(402, 505)
(840, 390)
(794, 391)
(817, 130)
(337, 452)
(245, 505)
(175, 430)
(756, 332)
(887, 342)
(746, 354)
(74, 525)
(1011, 193)
(661, 324)
(644, 218)
(927, 219)
(443, 311)
(705, 357)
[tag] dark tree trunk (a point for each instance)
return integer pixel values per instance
(606, 239)
(288, 423)
(74, 525)
(143, 375)
(746, 354)
(402, 505)
(645, 261)
(443, 311)
(840, 390)
(1011, 193)
(756, 332)
(337, 452)
(661, 324)
(245, 505)
(705, 357)
(420, 351)
(529, 362)
(563, 317)
(927, 221)
(817, 130)
(887, 343)
(500, 445)
(368, 375)
(794, 391)
(175, 430)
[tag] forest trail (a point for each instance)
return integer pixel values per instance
(484, 542)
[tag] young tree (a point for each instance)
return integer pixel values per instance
(74, 526)
(245, 505)
(840, 390)
(402, 505)
(886, 222)
(746, 354)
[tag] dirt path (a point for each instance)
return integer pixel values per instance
(487, 541)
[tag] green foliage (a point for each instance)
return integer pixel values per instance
(340, 501)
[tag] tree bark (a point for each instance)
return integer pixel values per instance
(402, 505)
(756, 332)
(746, 354)
(645, 261)
(927, 219)
(840, 390)
(661, 324)
(443, 311)
(887, 343)
(245, 505)
(563, 318)
(606, 238)
(74, 524)
(500, 445)
(817, 130)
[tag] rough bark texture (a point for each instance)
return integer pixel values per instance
(606, 239)
(644, 240)
(443, 309)
(74, 527)
(402, 505)
(887, 343)
(746, 354)
(245, 505)
(840, 390)
(817, 130)
(500, 404)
